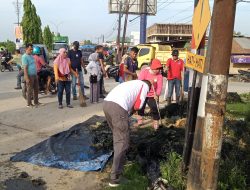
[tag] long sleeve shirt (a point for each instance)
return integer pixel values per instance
(146, 74)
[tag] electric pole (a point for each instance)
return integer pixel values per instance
(17, 5)
(119, 34)
(125, 27)
(204, 165)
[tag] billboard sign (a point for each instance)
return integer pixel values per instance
(136, 7)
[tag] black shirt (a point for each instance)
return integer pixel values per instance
(75, 59)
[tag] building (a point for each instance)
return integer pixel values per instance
(169, 32)
(134, 38)
(240, 56)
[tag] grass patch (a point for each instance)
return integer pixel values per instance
(137, 181)
(172, 172)
(239, 110)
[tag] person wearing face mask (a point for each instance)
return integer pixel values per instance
(153, 74)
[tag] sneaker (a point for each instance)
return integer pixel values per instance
(60, 107)
(30, 106)
(114, 183)
(18, 88)
(69, 106)
(75, 98)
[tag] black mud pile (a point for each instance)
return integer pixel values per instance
(24, 182)
(233, 97)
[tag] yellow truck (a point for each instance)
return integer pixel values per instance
(147, 52)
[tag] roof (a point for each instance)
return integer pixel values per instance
(241, 45)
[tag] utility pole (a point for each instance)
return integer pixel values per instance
(204, 165)
(125, 27)
(17, 5)
(119, 34)
(143, 22)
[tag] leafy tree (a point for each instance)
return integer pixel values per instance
(87, 42)
(11, 46)
(48, 37)
(31, 23)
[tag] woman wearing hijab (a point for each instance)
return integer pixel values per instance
(94, 68)
(62, 70)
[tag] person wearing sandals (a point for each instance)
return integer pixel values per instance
(94, 69)
(154, 75)
(62, 70)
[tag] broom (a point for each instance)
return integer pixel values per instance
(81, 97)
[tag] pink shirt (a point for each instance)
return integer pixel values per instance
(145, 74)
(39, 62)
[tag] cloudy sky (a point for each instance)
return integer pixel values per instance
(89, 19)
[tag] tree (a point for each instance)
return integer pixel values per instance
(9, 45)
(31, 23)
(48, 37)
(87, 42)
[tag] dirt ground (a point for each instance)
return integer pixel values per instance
(21, 128)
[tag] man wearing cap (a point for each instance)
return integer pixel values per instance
(154, 75)
(76, 60)
(175, 68)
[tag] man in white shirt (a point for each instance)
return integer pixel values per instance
(123, 100)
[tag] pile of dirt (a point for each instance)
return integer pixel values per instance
(233, 97)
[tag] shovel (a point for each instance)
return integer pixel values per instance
(157, 104)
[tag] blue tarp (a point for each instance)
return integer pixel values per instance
(82, 147)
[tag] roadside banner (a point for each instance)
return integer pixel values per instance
(195, 62)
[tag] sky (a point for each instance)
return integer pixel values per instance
(89, 19)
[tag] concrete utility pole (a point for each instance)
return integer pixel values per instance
(125, 27)
(17, 5)
(143, 22)
(119, 34)
(204, 165)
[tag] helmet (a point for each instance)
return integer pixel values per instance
(2, 49)
(36, 50)
(175, 52)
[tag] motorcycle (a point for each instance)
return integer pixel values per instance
(41, 85)
(5, 65)
(113, 71)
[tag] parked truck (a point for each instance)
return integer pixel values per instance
(147, 52)
(58, 43)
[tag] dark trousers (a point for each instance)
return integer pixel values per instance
(61, 86)
(153, 108)
(101, 85)
(118, 121)
(94, 92)
(32, 89)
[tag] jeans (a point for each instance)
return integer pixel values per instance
(175, 83)
(74, 80)
(19, 78)
(61, 86)
(121, 80)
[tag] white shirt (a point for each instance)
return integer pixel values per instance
(129, 94)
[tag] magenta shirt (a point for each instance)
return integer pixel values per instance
(158, 81)
(39, 63)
